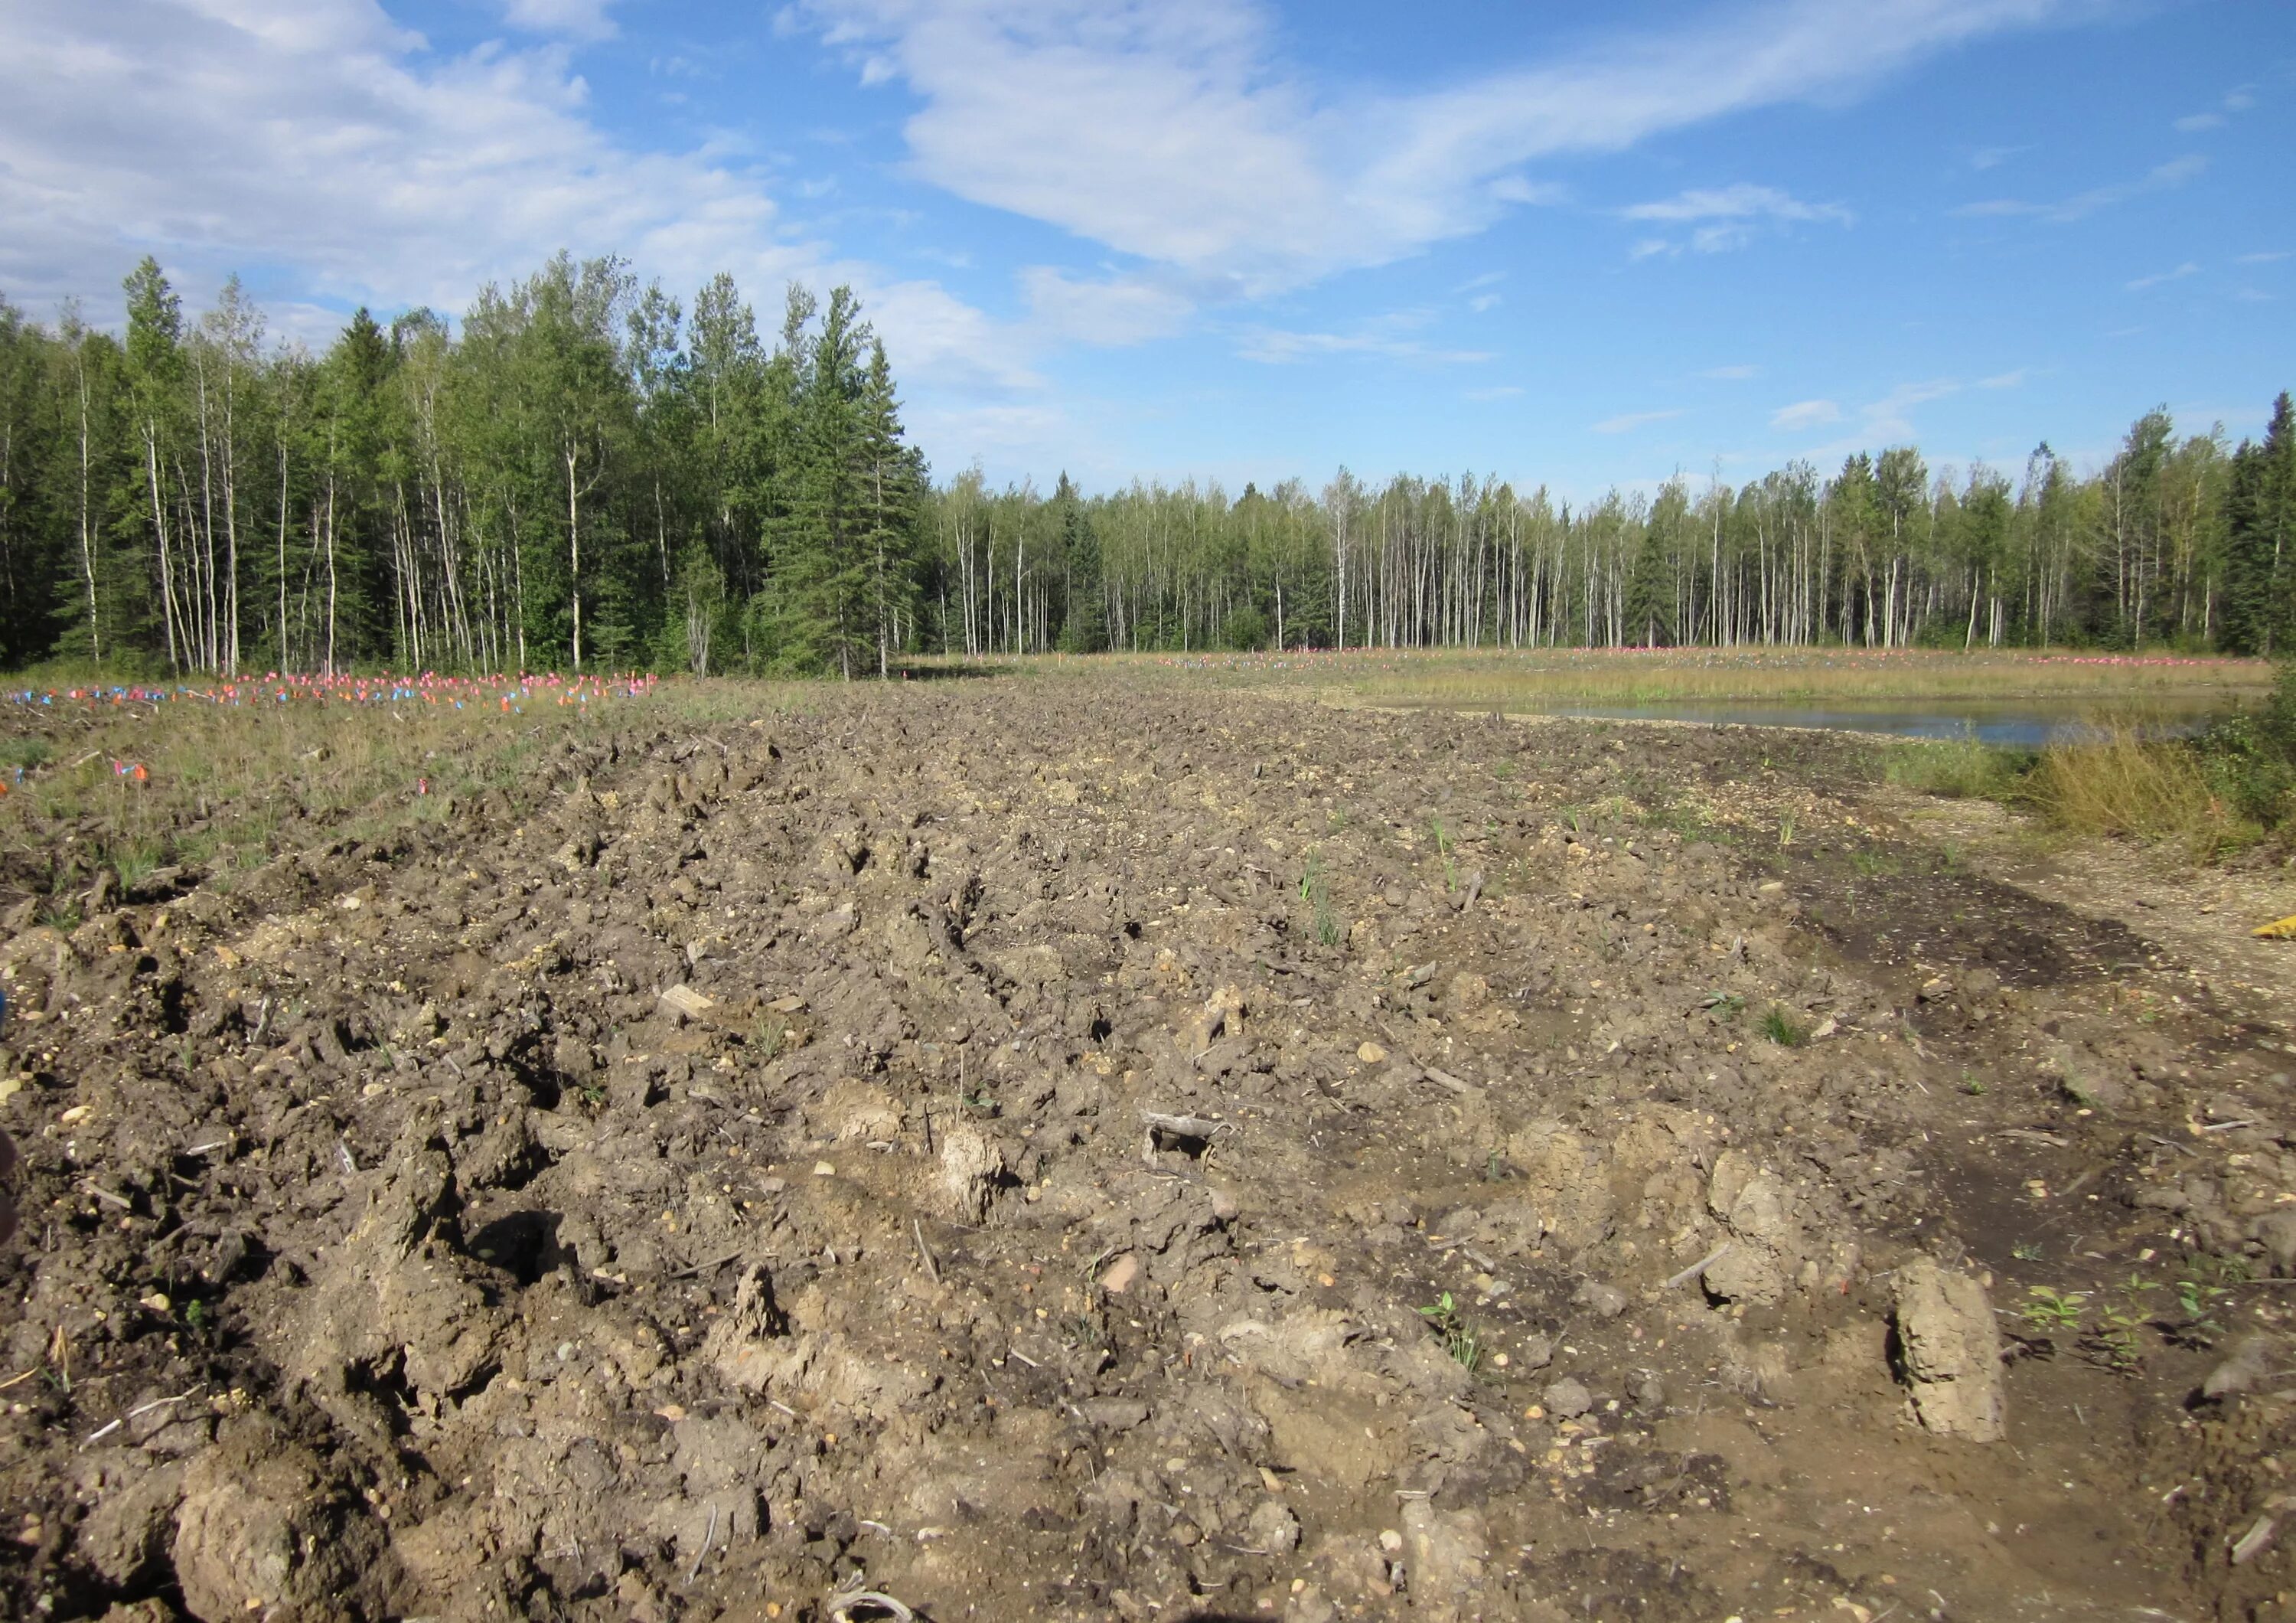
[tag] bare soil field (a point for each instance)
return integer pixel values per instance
(1081, 1149)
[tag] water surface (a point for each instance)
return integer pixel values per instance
(2012, 723)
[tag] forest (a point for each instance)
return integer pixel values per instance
(586, 474)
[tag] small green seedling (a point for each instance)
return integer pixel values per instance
(1451, 1328)
(2051, 1312)
(1780, 1028)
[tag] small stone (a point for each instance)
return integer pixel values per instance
(1273, 1528)
(1390, 1541)
(823, 1169)
(1569, 1398)
(1607, 1301)
(1121, 1274)
(1371, 1053)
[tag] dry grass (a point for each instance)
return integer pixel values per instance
(226, 787)
(2128, 786)
(1528, 681)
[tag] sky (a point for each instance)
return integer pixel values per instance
(1251, 239)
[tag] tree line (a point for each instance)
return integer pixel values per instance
(585, 473)
(2178, 542)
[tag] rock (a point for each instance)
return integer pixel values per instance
(1951, 1351)
(1767, 1242)
(1647, 1390)
(1121, 1275)
(263, 1528)
(1114, 1413)
(1605, 1301)
(1311, 1605)
(124, 1536)
(2251, 1362)
(1567, 1398)
(1446, 1552)
(2277, 1231)
(1273, 1528)
(970, 1167)
(1371, 1053)
(1536, 1353)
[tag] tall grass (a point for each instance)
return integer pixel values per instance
(1957, 768)
(2207, 797)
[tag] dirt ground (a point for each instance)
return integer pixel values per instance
(1071, 1149)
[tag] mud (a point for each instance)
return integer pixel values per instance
(1073, 1150)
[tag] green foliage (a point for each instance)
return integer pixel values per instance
(1315, 891)
(1957, 768)
(573, 476)
(1247, 629)
(1781, 1028)
(1451, 1328)
(2050, 1312)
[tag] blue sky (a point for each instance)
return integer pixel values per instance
(1579, 245)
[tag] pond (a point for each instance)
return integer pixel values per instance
(2010, 723)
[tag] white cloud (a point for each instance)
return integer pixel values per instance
(2261, 259)
(1279, 346)
(1889, 418)
(1627, 420)
(1739, 201)
(1170, 129)
(1731, 374)
(2193, 124)
(1805, 414)
(1503, 391)
(2003, 380)
(319, 147)
(576, 19)
(1118, 310)
(1651, 247)
(1481, 303)
(1994, 157)
(2161, 177)
(2188, 269)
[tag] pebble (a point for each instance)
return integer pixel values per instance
(1371, 1053)
(1569, 1398)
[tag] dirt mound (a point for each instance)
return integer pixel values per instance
(1073, 1151)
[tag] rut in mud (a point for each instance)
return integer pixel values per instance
(1074, 1150)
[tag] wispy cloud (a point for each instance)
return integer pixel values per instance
(1281, 347)
(1805, 414)
(1994, 157)
(1627, 420)
(1503, 391)
(1652, 247)
(1725, 217)
(2274, 258)
(2188, 269)
(1484, 301)
(2237, 100)
(1176, 131)
(2161, 177)
(1731, 374)
(1740, 201)
(1886, 421)
(1890, 418)
(1113, 311)
(2003, 380)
